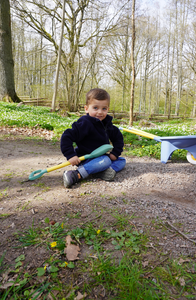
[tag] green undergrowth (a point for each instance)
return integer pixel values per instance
(41, 117)
(113, 264)
(31, 116)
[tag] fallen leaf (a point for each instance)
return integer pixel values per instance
(53, 293)
(145, 263)
(181, 281)
(8, 284)
(80, 296)
(181, 261)
(71, 250)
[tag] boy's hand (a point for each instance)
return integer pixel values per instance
(113, 157)
(74, 160)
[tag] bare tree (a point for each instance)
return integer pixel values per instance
(59, 59)
(7, 85)
(76, 56)
(167, 69)
(125, 60)
(133, 65)
(180, 47)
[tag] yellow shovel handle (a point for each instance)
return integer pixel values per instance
(67, 163)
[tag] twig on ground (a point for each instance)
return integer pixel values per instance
(92, 219)
(151, 246)
(131, 223)
(180, 232)
(157, 264)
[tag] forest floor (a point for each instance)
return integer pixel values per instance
(145, 191)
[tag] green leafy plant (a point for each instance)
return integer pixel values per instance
(32, 116)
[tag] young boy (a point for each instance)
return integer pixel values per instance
(90, 132)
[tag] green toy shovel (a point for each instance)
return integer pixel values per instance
(97, 152)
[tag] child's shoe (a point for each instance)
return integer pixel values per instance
(107, 175)
(71, 177)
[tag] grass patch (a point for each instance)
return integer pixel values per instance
(4, 216)
(114, 266)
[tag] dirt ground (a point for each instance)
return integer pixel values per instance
(146, 188)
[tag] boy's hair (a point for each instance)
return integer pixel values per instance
(98, 94)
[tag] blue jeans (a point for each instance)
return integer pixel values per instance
(99, 164)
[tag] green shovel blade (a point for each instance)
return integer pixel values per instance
(99, 151)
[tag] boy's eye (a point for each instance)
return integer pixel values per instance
(95, 107)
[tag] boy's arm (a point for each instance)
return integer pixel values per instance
(67, 140)
(72, 135)
(117, 142)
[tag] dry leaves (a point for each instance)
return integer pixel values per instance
(80, 296)
(181, 281)
(8, 284)
(145, 263)
(47, 134)
(72, 250)
(181, 261)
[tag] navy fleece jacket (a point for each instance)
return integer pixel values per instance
(89, 133)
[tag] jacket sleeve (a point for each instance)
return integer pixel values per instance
(117, 141)
(67, 140)
(75, 134)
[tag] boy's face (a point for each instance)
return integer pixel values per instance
(98, 109)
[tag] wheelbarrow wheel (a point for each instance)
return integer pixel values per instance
(191, 158)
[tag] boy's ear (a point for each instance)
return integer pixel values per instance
(86, 108)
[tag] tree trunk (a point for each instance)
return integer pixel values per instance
(7, 86)
(180, 53)
(194, 102)
(141, 90)
(158, 82)
(133, 65)
(151, 86)
(171, 78)
(125, 62)
(59, 59)
(167, 70)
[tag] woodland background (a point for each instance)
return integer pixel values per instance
(96, 52)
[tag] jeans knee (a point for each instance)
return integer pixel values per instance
(107, 160)
(119, 164)
(104, 161)
(123, 161)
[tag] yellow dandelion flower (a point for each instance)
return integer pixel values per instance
(98, 231)
(142, 146)
(62, 225)
(53, 244)
(66, 263)
(45, 267)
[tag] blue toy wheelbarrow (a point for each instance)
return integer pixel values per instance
(170, 144)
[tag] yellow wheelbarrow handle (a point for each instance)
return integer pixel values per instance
(139, 132)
